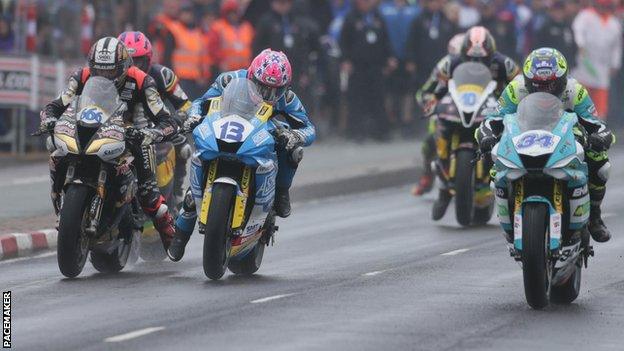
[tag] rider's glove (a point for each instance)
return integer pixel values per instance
(600, 141)
(47, 122)
(430, 105)
(191, 122)
(487, 143)
(151, 136)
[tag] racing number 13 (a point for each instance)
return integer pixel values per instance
(232, 131)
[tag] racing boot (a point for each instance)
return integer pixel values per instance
(425, 184)
(176, 249)
(163, 222)
(597, 228)
(441, 204)
(282, 202)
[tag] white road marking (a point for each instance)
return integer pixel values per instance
(18, 259)
(454, 252)
(372, 274)
(133, 334)
(27, 180)
(270, 298)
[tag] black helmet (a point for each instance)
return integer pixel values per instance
(545, 70)
(478, 45)
(109, 58)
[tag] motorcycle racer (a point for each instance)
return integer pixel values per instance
(272, 73)
(110, 59)
(546, 70)
(140, 48)
(478, 46)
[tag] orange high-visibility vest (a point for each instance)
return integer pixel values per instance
(234, 44)
(189, 53)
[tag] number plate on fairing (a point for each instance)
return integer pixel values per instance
(232, 129)
(536, 143)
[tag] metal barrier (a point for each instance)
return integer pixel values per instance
(27, 83)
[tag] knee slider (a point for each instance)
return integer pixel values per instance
(604, 171)
(189, 202)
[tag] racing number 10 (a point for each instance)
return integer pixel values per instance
(232, 131)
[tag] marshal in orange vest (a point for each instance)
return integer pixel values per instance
(231, 44)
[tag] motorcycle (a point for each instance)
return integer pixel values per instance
(470, 97)
(98, 209)
(236, 145)
(542, 198)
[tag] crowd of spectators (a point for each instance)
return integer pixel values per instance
(357, 63)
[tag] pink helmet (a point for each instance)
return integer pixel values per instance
(271, 72)
(139, 47)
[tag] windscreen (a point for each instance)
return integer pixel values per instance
(471, 79)
(98, 101)
(241, 98)
(539, 111)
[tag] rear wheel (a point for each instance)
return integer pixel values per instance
(73, 243)
(115, 261)
(464, 187)
(249, 264)
(217, 242)
(569, 291)
(536, 265)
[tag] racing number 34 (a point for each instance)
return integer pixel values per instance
(544, 140)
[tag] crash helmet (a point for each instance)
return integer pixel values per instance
(139, 47)
(545, 70)
(272, 74)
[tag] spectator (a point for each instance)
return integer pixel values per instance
(430, 34)
(468, 14)
(230, 39)
(366, 51)
(7, 37)
(296, 35)
(399, 16)
(598, 35)
(158, 29)
(185, 51)
(502, 26)
(557, 32)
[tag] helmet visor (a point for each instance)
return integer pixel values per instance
(270, 94)
(142, 62)
(110, 72)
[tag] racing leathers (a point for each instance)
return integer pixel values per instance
(575, 98)
(139, 92)
(170, 90)
(289, 106)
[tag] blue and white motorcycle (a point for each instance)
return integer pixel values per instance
(236, 145)
(542, 198)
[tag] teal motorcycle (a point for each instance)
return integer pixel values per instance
(542, 201)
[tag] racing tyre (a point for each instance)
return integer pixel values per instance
(250, 263)
(536, 266)
(483, 215)
(115, 261)
(464, 187)
(569, 291)
(73, 243)
(217, 242)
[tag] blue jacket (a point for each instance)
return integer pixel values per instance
(289, 105)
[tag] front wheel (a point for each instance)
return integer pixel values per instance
(73, 244)
(217, 242)
(536, 266)
(115, 261)
(464, 187)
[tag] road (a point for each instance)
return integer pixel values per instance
(362, 272)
